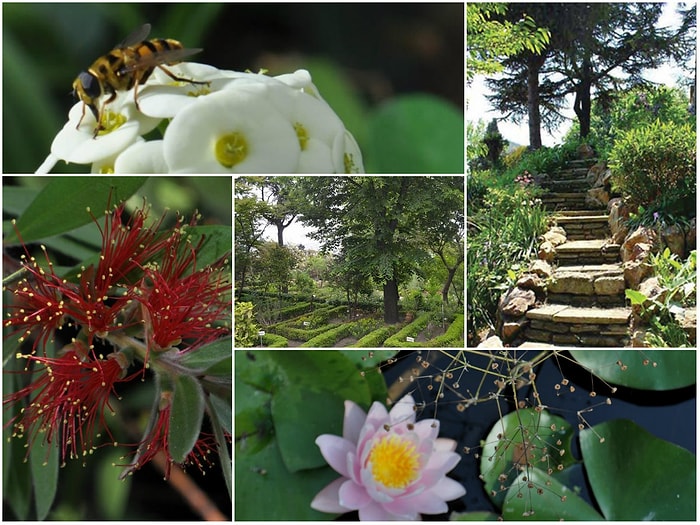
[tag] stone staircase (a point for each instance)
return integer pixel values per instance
(585, 304)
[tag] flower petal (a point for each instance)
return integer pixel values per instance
(353, 421)
(353, 496)
(404, 410)
(335, 450)
(377, 512)
(328, 500)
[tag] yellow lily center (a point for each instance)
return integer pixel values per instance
(231, 149)
(394, 462)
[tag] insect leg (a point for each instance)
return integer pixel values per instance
(179, 79)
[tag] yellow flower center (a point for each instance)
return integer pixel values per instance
(302, 135)
(110, 121)
(394, 462)
(231, 149)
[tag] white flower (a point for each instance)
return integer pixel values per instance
(226, 122)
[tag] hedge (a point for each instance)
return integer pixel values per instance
(410, 330)
(275, 341)
(453, 336)
(375, 338)
(330, 337)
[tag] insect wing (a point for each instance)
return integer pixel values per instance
(136, 36)
(156, 59)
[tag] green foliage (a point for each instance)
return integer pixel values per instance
(274, 341)
(376, 338)
(678, 280)
(504, 235)
(654, 160)
(410, 330)
(246, 331)
(489, 40)
(616, 114)
(453, 336)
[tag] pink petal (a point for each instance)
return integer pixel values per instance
(376, 512)
(428, 503)
(353, 496)
(445, 444)
(448, 489)
(353, 421)
(377, 415)
(328, 500)
(404, 410)
(427, 429)
(335, 451)
(443, 462)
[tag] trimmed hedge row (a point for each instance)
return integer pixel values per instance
(377, 337)
(453, 336)
(330, 337)
(275, 341)
(410, 330)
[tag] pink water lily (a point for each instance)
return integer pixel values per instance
(392, 467)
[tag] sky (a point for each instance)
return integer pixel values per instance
(480, 108)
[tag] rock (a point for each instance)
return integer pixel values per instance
(691, 235)
(541, 268)
(651, 288)
(673, 236)
(637, 339)
(555, 236)
(618, 213)
(609, 285)
(512, 328)
(531, 281)
(517, 302)
(585, 152)
(492, 342)
(595, 174)
(598, 196)
(546, 252)
(577, 283)
(689, 322)
(634, 272)
(642, 235)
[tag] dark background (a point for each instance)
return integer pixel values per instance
(374, 50)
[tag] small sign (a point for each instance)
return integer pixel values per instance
(261, 333)
(410, 340)
(306, 323)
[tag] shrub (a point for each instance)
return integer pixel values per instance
(246, 331)
(275, 341)
(330, 337)
(453, 336)
(653, 161)
(410, 330)
(377, 337)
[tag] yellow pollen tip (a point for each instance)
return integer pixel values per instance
(394, 462)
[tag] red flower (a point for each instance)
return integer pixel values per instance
(68, 399)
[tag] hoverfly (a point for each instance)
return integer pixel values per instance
(127, 66)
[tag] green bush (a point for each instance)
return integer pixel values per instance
(410, 330)
(376, 338)
(330, 337)
(275, 341)
(655, 160)
(246, 331)
(453, 336)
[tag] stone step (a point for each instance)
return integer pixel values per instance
(593, 251)
(556, 201)
(563, 324)
(567, 185)
(584, 227)
(578, 213)
(578, 163)
(588, 285)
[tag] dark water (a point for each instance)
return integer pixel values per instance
(667, 415)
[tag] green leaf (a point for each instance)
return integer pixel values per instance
(185, 417)
(18, 493)
(61, 205)
(368, 358)
(523, 438)
(644, 369)
(635, 297)
(43, 460)
(112, 492)
(223, 411)
(416, 134)
(477, 515)
(539, 497)
(208, 355)
(217, 243)
(636, 476)
(262, 477)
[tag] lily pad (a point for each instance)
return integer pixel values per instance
(643, 369)
(524, 440)
(539, 497)
(637, 476)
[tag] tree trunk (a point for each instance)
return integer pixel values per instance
(535, 63)
(582, 104)
(448, 282)
(391, 302)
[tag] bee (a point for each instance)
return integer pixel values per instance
(127, 66)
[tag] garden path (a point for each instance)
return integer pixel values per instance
(585, 305)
